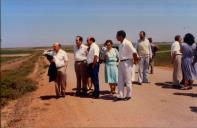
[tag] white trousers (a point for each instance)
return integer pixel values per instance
(125, 78)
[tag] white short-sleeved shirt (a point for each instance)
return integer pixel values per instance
(126, 50)
(80, 53)
(60, 58)
(176, 48)
(94, 51)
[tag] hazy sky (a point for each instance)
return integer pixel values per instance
(40, 22)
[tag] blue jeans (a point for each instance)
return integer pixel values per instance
(93, 72)
(143, 69)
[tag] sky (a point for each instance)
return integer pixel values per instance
(41, 22)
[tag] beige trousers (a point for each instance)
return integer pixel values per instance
(60, 82)
(177, 72)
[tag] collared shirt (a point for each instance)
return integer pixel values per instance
(176, 48)
(144, 48)
(94, 51)
(80, 53)
(60, 58)
(126, 50)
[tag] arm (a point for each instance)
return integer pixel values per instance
(173, 57)
(150, 50)
(135, 56)
(66, 64)
(156, 48)
(66, 60)
(173, 52)
(96, 55)
(195, 56)
(117, 55)
(95, 61)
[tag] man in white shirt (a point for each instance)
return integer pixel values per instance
(93, 64)
(145, 53)
(61, 61)
(80, 55)
(176, 60)
(127, 56)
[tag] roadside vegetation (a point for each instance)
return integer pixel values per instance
(6, 59)
(16, 51)
(163, 58)
(14, 83)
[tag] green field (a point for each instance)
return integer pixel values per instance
(163, 58)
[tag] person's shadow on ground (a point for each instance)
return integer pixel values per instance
(48, 97)
(167, 85)
(193, 109)
(186, 94)
(105, 95)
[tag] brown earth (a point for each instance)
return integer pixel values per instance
(153, 105)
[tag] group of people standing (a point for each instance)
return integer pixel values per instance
(184, 58)
(120, 64)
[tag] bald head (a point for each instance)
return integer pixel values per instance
(56, 46)
(90, 40)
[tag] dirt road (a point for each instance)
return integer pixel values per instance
(154, 105)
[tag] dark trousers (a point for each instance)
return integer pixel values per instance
(93, 73)
(82, 75)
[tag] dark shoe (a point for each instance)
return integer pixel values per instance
(127, 98)
(57, 96)
(118, 99)
(139, 83)
(95, 96)
(178, 86)
(77, 93)
(182, 82)
(63, 94)
(84, 94)
(147, 82)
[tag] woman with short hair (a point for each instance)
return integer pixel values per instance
(111, 69)
(188, 51)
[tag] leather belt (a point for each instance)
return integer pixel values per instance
(81, 61)
(124, 60)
